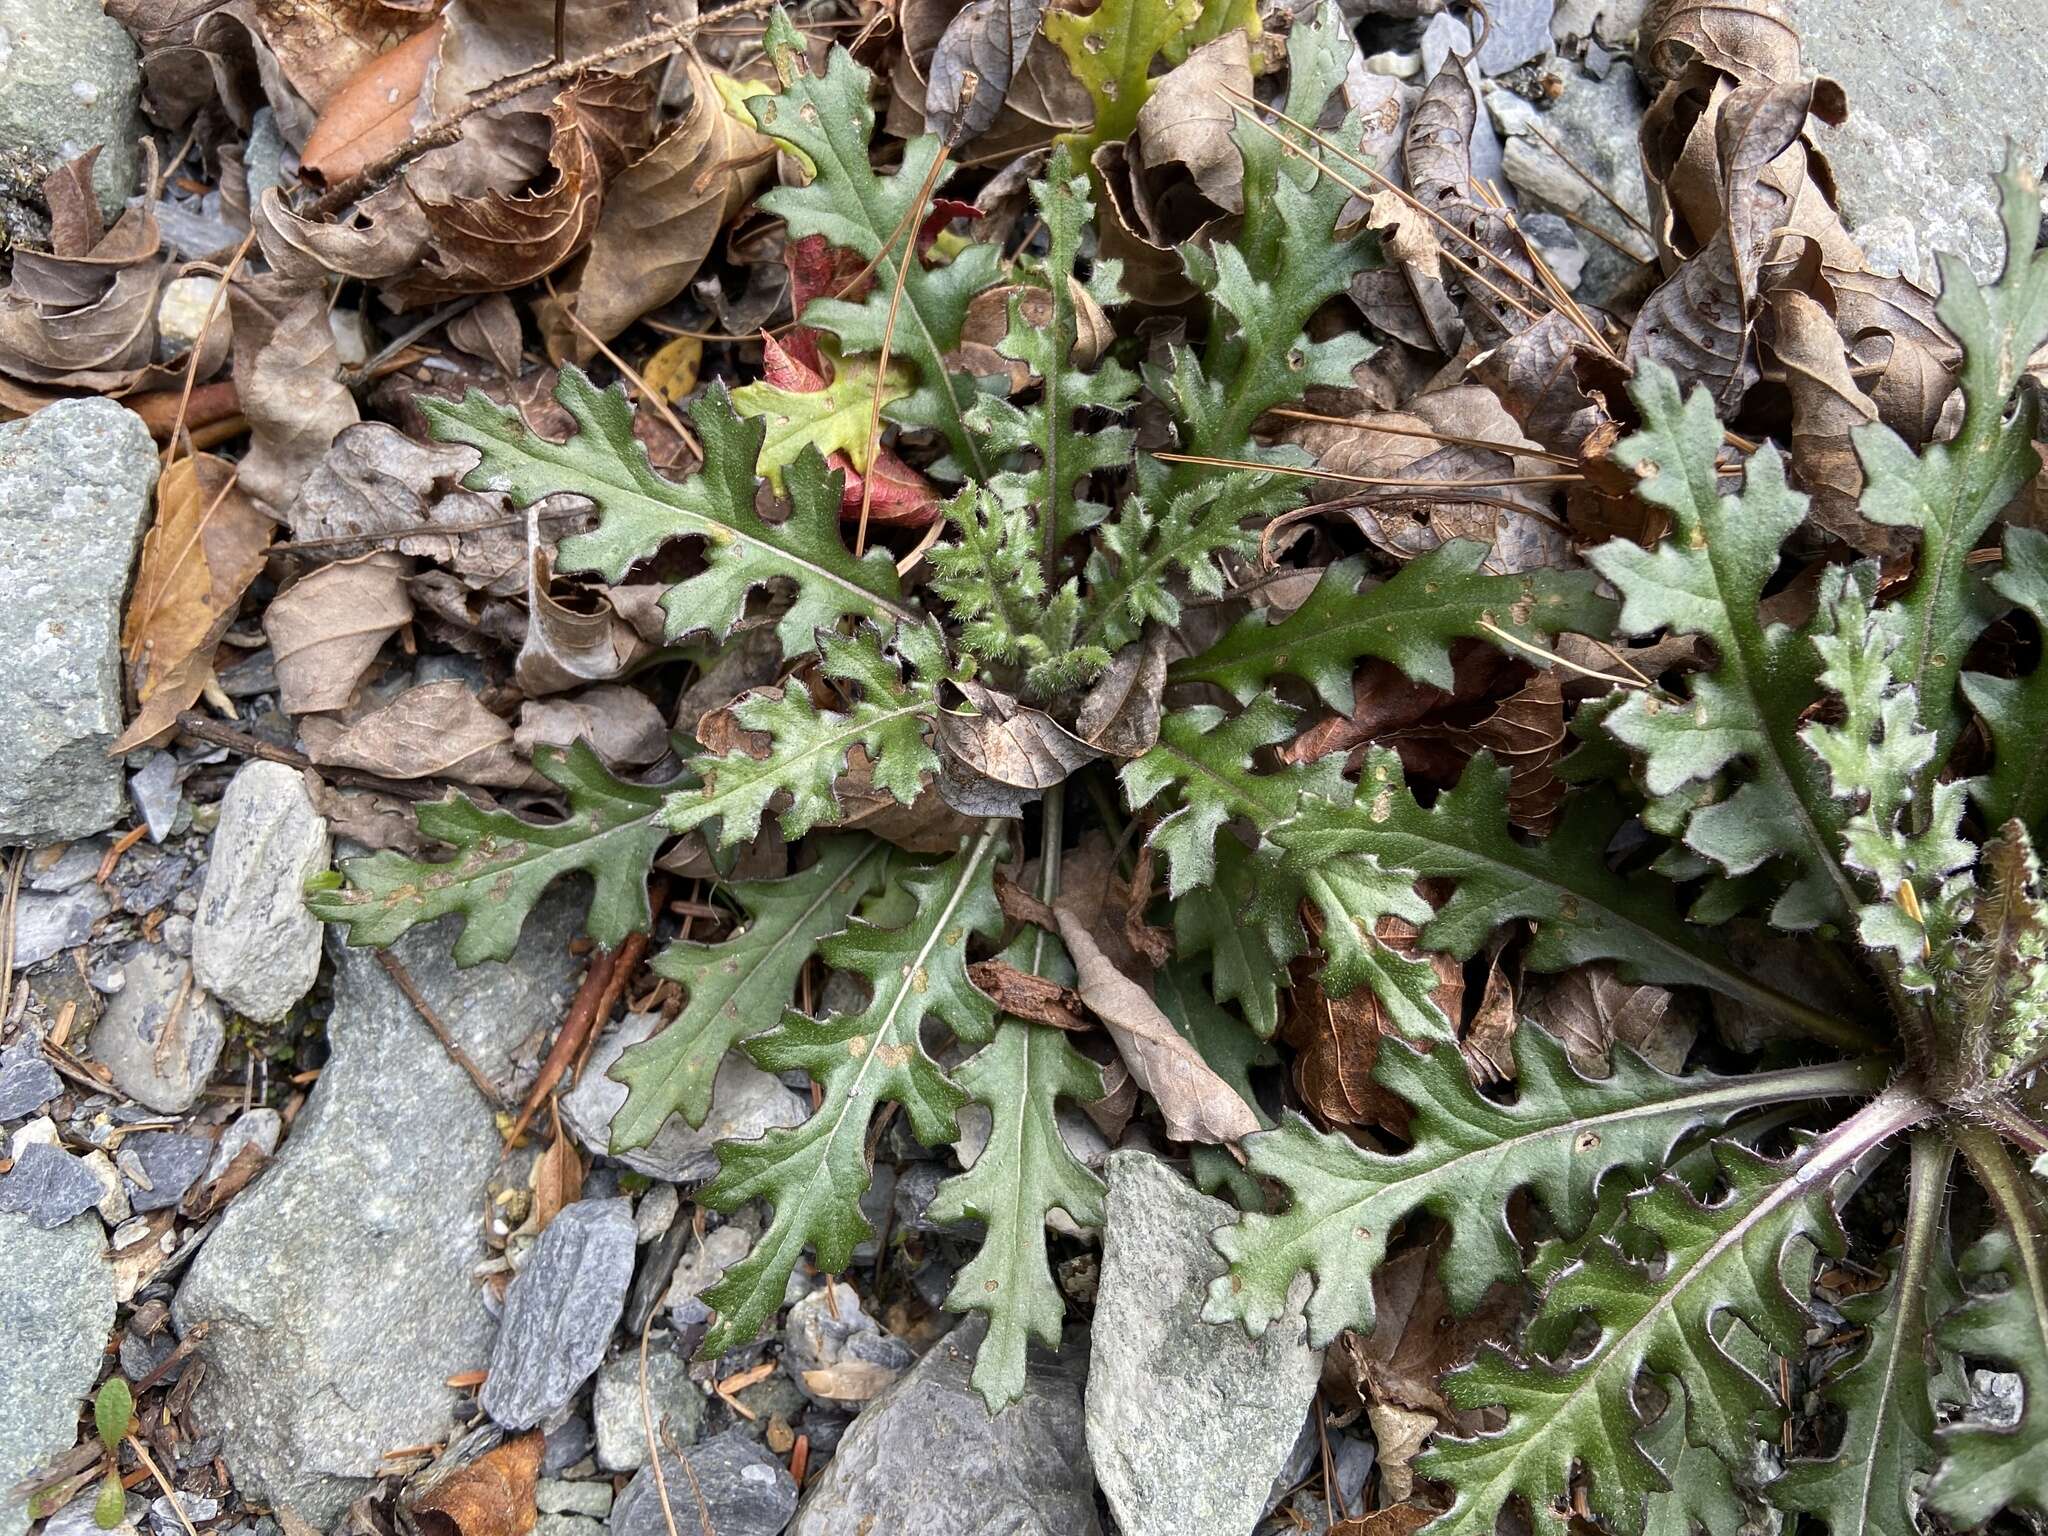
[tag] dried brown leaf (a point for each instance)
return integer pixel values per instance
(1119, 715)
(1827, 404)
(326, 628)
(620, 723)
(997, 755)
(1184, 141)
(288, 376)
(371, 113)
(437, 730)
(1591, 1009)
(1337, 1045)
(491, 1496)
(567, 646)
(1749, 39)
(980, 52)
(1195, 1103)
(205, 547)
(1027, 995)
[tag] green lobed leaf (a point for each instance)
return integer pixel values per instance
(1410, 619)
(1110, 50)
(503, 863)
(638, 510)
(1707, 579)
(815, 1173)
(733, 986)
(2015, 710)
(1559, 1138)
(1953, 490)
(1721, 1259)
(1870, 1483)
(1989, 1468)
(829, 120)
(1024, 1172)
(807, 744)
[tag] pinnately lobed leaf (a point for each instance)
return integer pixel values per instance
(736, 985)
(815, 1173)
(503, 863)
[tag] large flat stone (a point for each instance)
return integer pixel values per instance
(75, 481)
(339, 1287)
(1188, 1422)
(56, 1306)
(69, 80)
(1935, 89)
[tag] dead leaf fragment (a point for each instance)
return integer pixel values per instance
(372, 113)
(326, 628)
(204, 549)
(437, 730)
(979, 54)
(1591, 1009)
(491, 1496)
(1119, 716)
(288, 376)
(1196, 1104)
(998, 754)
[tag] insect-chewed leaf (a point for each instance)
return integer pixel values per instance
(638, 510)
(503, 863)
(815, 1173)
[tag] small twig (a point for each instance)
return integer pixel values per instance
(449, 1043)
(9, 904)
(112, 860)
(142, 1453)
(220, 294)
(624, 967)
(447, 129)
(578, 1024)
(1601, 235)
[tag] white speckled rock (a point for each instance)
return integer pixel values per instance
(1188, 1422)
(254, 944)
(75, 479)
(70, 78)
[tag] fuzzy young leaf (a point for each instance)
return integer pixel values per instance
(638, 510)
(808, 745)
(503, 863)
(2016, 709)
(1410, 619)
(1559, 1137)
(1708, 580)
(1987, 1468)
(815, 1173)
(829, 120)
(733, 986)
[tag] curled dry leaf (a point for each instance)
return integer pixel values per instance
(1591, 1010)
(1488, 1041)
(979, 54)
(988, 322)
(998, 755)
(1196, 1104)
(1184, 143)
(1827, 404)
(1337, 1045)
(1119, 716)
(1748, 39)
(327, 627)
(566, 645)
(1526, 731)
(372, 113)
(620, 723)
(83, 313)
(661, 214)
(204, 549)
(435, 731)
(1027, 995)
(288, 376)
(490, 1496)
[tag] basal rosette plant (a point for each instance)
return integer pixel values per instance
(1806, 774)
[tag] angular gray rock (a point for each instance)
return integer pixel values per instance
(745, 1103)
(161, 1033)
(560, 1311)
(1517, 31)
(1934, 91)
(746, 1491)
(340, 1285)
(69, 79)
(700, 1268)
(75, 479)
(27, 1082)
(676, 1402)
(48, 1185)
(57, 1295)
(1168, 1459)
(254, 944)
(45, 925)
(828, 1332)
(171, 1164)
(926, 1456)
